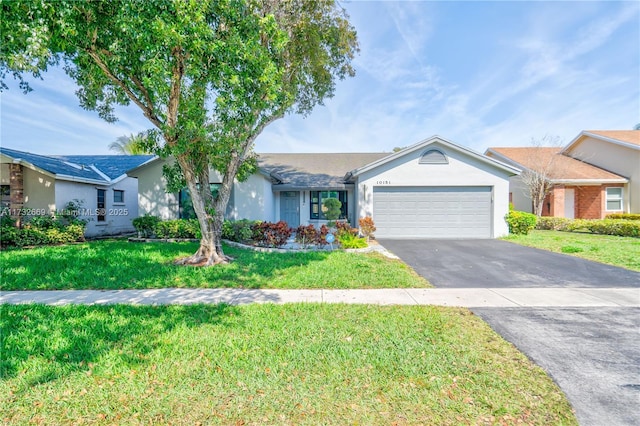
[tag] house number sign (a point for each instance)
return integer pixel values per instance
(383, 182)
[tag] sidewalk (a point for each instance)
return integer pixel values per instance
(463, 297)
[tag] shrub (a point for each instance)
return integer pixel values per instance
(40, 230)
(309, 235)
(550, 223)
(331, 207)
(520, 222)
(625, 216)
(178, 228)
(367, 228)
(351, 241)
(622, 228)
(272, 234)
(238, 230)
(146, 225)
(345, 228)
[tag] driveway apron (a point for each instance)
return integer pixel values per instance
(593, 353)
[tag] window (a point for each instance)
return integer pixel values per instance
(118, 196)
(614, 199)
(433, 156)
(186, 205)
(101, 211)
(5, 192)
(316, 203)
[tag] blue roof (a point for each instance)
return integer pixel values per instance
(79, 166)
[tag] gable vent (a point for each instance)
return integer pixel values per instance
(434, 156)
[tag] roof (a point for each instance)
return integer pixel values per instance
(87, 168)
(627, 138)
(422, 145)
(564, 168)
(314, 170)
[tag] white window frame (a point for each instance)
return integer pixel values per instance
(614, 198)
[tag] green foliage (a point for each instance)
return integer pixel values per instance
(178, 228)
(520, 222)
(619, 227)
(272, 234)
(146, 225)
(351, 241)
(209, 75)
(331, 208)
(241, 231)
(40, 230)
(627, 216)
(70, 213)
(612, 226)
(367, 227)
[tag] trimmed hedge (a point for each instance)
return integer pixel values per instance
(240, 231)
(520, 222)
(619, 227)
(178, 228)
(40, 230)
(625, 216)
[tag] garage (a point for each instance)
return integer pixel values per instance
(433, 212)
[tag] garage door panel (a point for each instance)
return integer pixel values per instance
(432, 212)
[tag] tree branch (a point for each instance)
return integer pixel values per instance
(148, 112)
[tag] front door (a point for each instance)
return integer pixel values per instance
(290, 208)
(569, 203)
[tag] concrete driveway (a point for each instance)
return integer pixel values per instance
(593, 353)
(498, 264)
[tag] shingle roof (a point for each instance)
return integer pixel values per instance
(628, 136)
(79, 166)
(564, 167)
(315, 170)
(113, 166)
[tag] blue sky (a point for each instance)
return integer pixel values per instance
(479, 74)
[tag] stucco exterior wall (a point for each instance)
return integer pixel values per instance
(253, 199)
(152, 198)
(462, 170)
(618, 159)
(39, 191)
(520, 195)
(4, 174)
(119, 216)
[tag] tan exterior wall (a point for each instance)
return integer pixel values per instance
(39, 191)
(618, 159)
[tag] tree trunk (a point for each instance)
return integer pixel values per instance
(210, 251)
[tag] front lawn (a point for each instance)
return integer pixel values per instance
(123, 265)
(617, 251)
(266, 364)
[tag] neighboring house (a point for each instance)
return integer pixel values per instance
(433, 189)
(596, 174)
(39, 185)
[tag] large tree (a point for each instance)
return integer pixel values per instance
(541, 167)
(209, 75)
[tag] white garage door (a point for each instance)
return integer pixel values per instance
(432, 212)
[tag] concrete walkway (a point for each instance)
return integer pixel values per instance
(463, 297)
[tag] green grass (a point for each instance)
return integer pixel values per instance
(617, 251)
(122, 265)
(266, 364)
